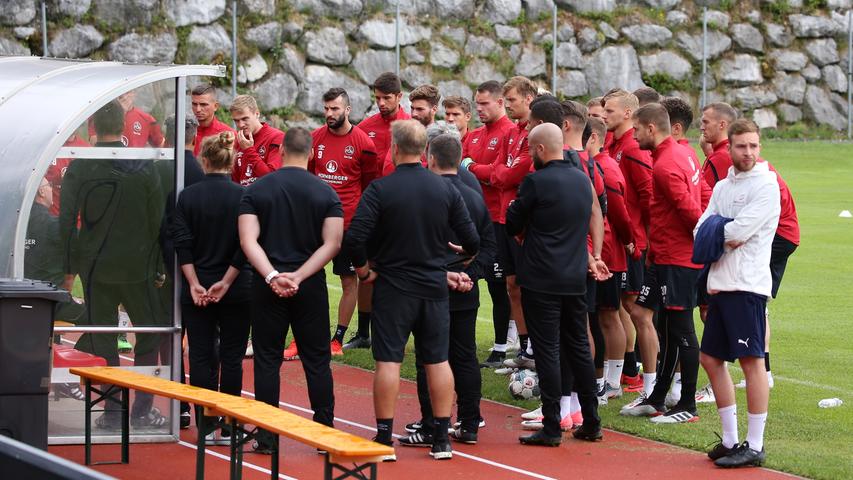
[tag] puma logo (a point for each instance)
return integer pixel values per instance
(744, 342)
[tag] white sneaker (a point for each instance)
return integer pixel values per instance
(671, 400)
(705, 395)
(533, 414)
(633, 403)
(458, 425)
(505, 370)
(741, 384)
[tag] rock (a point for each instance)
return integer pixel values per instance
(71, 8)
(790, 113)
(136, 48)
(789, 60)
(125, 13)
(753, 16)
(252, 69)
(414, 76)
(647, 35)
(818, 108)
(692, 44)
(839, 102)
(205, 43)
(750, 98)
(17, 12)
(454, 9)
(840, 19)
(478, 46)
(835, 78)
(258, 7)
(811, 73)
(382, 34)
(23, 33)
(440, 55)
(507, 34)
(188, 12)
(319, 79)
(588, 40)
(327, 46)
(369, 64)
(822, 51)
(455, 87)
(343, 8)
(501, 11)
(571, 83)
(413, 55)
(76, 42)
(279, 91)
(412, 8)
(609, 32)
(808, 26)
(717, 19)
(778, 35)
(569, 55)
(584, 6)
(791, 88)
(454, 34)
(747, 37)
(662, 4)
(479, 71)
(667, 63)
(565, 32)
(292, 61)
(613, 66)
(710, 82)
(514, 52)
(538, 9)
(541, 35)
(11, 47)
(291, 31)
(265, 36)
(531, 63)
(677, 18)
(765, 118)
(741, 70)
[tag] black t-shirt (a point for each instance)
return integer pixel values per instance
(406, 217)
(291, 205)
(204, 229)
(552, 209)
(44, 255)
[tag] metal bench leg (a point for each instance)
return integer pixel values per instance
(199, 449)
(125, 425)
(357, 471)
(274, 462)
(88, 419)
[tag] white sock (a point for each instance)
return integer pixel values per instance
(675, 389)
(604, 369)
(599, 382)
(565, 406)
(512, 332)
(613, 369)
(576, 404)
(728, 415)
(499, 348)
(530, 347)
(649, 382)
(755, 430)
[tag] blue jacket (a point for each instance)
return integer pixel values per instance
(709, 243)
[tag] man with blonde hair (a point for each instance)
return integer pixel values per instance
(258, 149)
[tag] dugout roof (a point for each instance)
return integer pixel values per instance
(42, 102)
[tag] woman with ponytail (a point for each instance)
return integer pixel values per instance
(216, 276)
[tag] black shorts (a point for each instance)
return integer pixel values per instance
(735, 326)
(396, 315)
(702, 295)
(668, 286)
(634, 275)
(496, 273)
(608, 294)
(509, 251)
(779, 253)
(590, 296)
(342, 265)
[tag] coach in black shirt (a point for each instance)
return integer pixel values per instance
(291, 225)
(552, 213)
(407, 216)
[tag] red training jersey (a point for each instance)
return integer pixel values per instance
(636, 166)
(707, 190)
(509, 168)
(716, 166)
(676, 205)
(378, 128)
(618, 229)
(483, 146)
(608, 140)
(789, 224)
(346, 162)
(261, 158)
(140, 130)
(597, 185)
(56, 171)
(214, 128)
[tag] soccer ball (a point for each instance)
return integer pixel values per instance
(524, 385)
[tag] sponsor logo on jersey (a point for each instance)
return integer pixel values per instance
(493, 142)
(331, 166)
(474, 140)
(320, 149)
(349, 150)
(137, 128)
(124, 140)
(371, 134)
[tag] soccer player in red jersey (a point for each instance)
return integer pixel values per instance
(140, 128)
(57, 169)
(595, 109)
(387, 90)
(345, 158)
(457, 111)
(258, 149)
(670, 279)
(680, 119)
(424, 101)
(716, 118)
(506, 174)
(204, 105)
(636, 166)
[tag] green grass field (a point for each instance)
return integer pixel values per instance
(811, 326)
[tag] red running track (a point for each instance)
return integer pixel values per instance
(498, 455)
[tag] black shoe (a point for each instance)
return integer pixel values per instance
(262, 448)
(441, 450)
(742, 456)
(494, 360)
(387, 458)
(539, 438)
(357, 341)
(417, 439)
(186, 418)
(720, 451)
(464, 436)
(414, 426)
(588, 433)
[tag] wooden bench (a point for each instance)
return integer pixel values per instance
(341, 447)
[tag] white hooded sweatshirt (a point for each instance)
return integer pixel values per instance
(752, 200)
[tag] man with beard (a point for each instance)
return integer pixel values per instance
(345, 158)
(204, 105)
(424, 107)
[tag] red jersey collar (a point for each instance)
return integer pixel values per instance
(628, 134)
(721, 145)
(498, 123)
(666, 144)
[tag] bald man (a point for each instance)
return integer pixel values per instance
(551, 214)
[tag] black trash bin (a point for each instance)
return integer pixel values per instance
(26, 330)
